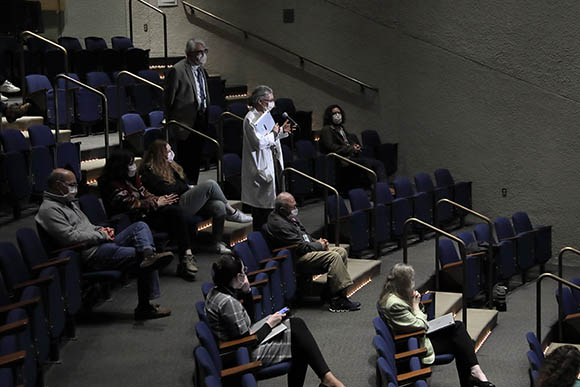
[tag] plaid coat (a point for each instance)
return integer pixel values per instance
(229, 321)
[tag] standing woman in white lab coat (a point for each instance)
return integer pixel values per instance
(262, 162)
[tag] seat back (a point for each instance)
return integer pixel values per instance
(41, 135)
(359, 199)
(521, 222)
(42, 164)
(95, 43)
(204, 361)
(503, 228)
(535, 363)
(331, 207)
(467, 238)
(535, 346)
(403, 187)
(31, 247)
(206, 287)
(156, 118)
(386, 375)
(285, 105)
(98, 79)
(12, 266)
(16, 171)
(447, 252)
(200, 309)
(443, 177)
(305, 149)
(423, 182)
(207, 340)
(232, 164)
(481, 232)
(71, 44)
(132, 123)
(370, 139)
(259, 245)
(13, 141)
(68, 157)
(36, 82)
(93, 209)
(121, 43)
(243, 251)
(238, 108)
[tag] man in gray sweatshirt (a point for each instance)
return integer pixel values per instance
(62, 219)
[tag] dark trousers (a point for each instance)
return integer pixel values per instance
(260, 217)
(188, 153)
(305, 352)
(172, 220)
(456, 340)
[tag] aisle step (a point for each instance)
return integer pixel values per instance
(22, 123)
(480, 323)
(361, 271)
(446, 302)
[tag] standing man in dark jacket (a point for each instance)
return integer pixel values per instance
(284, 228)
(186, 100)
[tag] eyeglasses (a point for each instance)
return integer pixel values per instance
(197, 52)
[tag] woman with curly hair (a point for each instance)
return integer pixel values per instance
(163, 176)
(400, 306)
(561, 368)
(123, 193)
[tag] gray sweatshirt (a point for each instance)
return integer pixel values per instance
(67, 225)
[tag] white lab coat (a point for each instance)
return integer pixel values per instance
(258, 180)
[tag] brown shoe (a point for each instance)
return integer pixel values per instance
(156, 260)
(15, 111)
(151, 312)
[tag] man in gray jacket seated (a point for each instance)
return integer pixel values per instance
(284, 228)
(62, 219)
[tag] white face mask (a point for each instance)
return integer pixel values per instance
(132, 170)
(202, 59)
(294, 212)
(170, 156)
(72, 193)
(271, 105)
(337, 118)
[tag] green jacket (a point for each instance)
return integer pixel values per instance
(402, 319)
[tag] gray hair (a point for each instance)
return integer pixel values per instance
(190, 46)
(259, 93)
(400, 283)
(56, 176)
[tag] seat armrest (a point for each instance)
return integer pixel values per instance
(259, 283)
(477, 253)
(412, 376)
(243, 342)
(13, 327)
(38, 281)
(256, 272)
(51, 263)
(18, 305)
(289, 247)
(241, 369)
(405, 336)
(71, 247)
(12, 359)
(407, 354)
(572, 316)
(452, 264)
(276, 258)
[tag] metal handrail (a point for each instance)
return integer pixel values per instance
(219, 147)
(337, 228)
(141, 79)
(459, 242)
(91, 89)
(490, 242)
(539, 302)
(302, 58)
(220, 128)
(164, 24)
(374, 198)
(560, 274)
(23, 34)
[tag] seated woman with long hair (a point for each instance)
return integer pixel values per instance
(123, 193)
(400, 306)
(229, 321)
(560, 368)
(163, 176)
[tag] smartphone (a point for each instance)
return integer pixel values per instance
(284, 310)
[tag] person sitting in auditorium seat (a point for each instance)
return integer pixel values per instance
(62, 219)
(313, 255)
(335, 139)
(229, 320)
(560, 368)
(122, 192)
(400, 307)
(161, 175)
(13, 111)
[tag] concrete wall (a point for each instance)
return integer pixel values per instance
(489, 90)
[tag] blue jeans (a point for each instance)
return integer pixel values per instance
(125, 252)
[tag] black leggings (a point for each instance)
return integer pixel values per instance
(456, 340)
(305, 352)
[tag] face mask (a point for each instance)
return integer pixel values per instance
(72, 193)
(170, 156)
(337, 118)
(294, 212)
(132, 170)
(202, 59)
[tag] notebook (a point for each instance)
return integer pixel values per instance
(441, 322)
(274, 332)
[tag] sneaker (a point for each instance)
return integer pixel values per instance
(219, 248)
(343, 304)
(187, 268)
(151, 312)
(8, 87)
(156, 260)
(3, 99)
(15, 111)
(239, 217)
